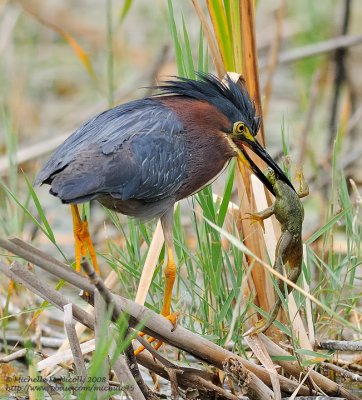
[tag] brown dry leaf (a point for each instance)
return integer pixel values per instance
(81, 53)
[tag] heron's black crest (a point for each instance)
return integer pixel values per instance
(232, 100)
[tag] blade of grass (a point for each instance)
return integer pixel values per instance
(221, 29)
(215, 53)
(125, 9)
(227, 194)
(327, 226)
(188, 53)
(200, 59)
(178, 50)
(234, 10)
(39, 208)
(27, 212)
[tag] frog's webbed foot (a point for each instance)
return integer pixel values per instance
(256, 218)
(260, 327)
(264, 323)
(260, 216)
(303, 188)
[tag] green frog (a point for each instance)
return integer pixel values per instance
(289, 211)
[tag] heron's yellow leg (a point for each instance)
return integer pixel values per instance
(82, 239)
(170, 275)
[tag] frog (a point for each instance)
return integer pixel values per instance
(289, 212)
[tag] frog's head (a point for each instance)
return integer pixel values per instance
(270, 175)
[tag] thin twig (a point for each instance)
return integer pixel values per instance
(65, 356)
(32, 282)
(346, 161)
(354, 120)
(342, 345)
(350, 365)
(111, 280)
(339, 75)
(33, 250)
(124, 375)
(316, 49)
(13, 356)
(14, 339)
(74, 342)
(305, 377)
(343, 372)
(54, 267)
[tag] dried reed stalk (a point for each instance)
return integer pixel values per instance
(74, 342)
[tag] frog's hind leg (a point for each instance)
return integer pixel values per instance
(295, 268)
(295, 264)
(282, 251)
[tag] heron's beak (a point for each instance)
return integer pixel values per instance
(255, 146)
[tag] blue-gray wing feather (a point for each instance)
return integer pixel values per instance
(136, 150)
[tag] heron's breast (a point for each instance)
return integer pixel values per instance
(205, 160)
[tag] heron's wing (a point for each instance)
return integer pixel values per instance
(108, 130)
(135, 151)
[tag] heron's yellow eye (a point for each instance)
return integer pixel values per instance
(239, 127)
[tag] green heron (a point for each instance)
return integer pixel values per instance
(141, 157)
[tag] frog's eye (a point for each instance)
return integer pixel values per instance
(239, 127)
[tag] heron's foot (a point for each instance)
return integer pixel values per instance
(173, 319)
(256, 218)
(83, 241)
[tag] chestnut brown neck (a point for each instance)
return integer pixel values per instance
(208, 149)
